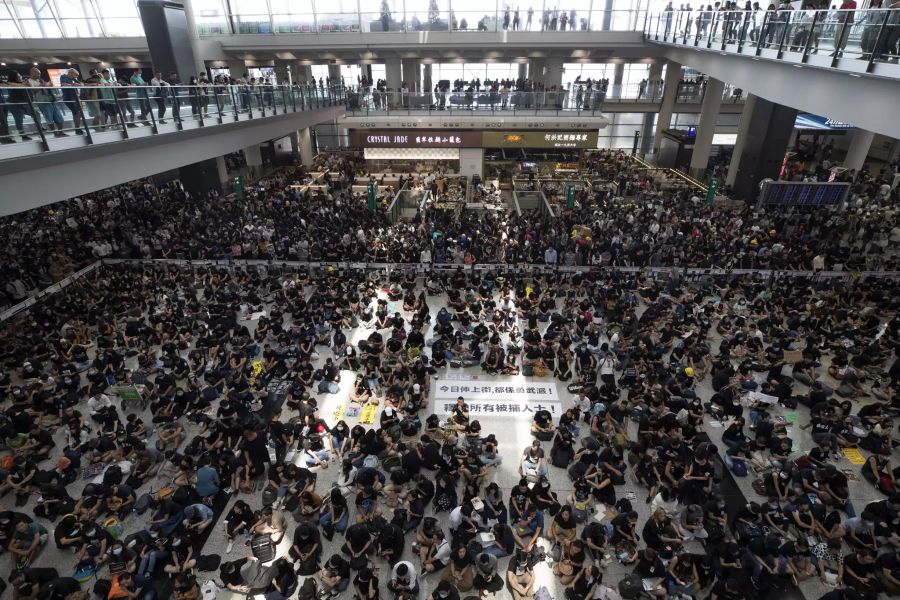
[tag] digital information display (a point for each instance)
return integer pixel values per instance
(787, 193)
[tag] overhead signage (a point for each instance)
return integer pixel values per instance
(507, 122)
(540, 139)
(724, 139)
(414, 138)
(817, 122)
(789, 193)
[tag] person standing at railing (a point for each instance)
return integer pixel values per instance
(70, 79)
(516, 20)
(506, 18)
(173, 89)
(887, 49)
(845, 24)
(871, 23)
(668, 11)
(46, 101)
(528, 18)
(573, 20)
(714, 16)
(137, 80)
(752, 21)
(108, 112)
(686, 18)
(91, 96)
(124, 96)
(19, 106)
(160, 91)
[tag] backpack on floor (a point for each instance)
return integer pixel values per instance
(309, 590)
(209, 562)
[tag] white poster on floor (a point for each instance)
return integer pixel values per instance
(519, 390)
(518, 407)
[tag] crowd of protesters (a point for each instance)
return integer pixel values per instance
(233, 367)
(632, 222)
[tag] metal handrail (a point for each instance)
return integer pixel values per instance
(872, 35)
(91, 114)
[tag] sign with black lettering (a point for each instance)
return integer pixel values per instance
(496, 390)
(414, 138)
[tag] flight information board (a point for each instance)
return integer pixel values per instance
(799, 194)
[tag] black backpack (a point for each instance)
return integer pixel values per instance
(113, 475)
(309, 590)
(209, 562)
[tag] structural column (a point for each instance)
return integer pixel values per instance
(236, 67)
(554, 73)
(860, 144)
(670, 96)
(253, 155)
(618, 77)
(194, 37)
(199, 178)
(412, 74)
(304, 146)
(763, 136)
(393, 73)
(304, 73)
(222, 169)
(536, 69)
(282, 71)
(427, 84)
(709, 115)
(334, 74)
(647, 133)
(654, 80)
(168, 34)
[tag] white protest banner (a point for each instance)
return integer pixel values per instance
(501, 408)
(496, 391)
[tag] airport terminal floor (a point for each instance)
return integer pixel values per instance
(396, 302)
(532, 428)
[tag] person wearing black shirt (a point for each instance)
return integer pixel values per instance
(306, 548)
(859, 572)
(358, 541)
(335, 575)
(366, 585)
(727, 589)
(650, 566)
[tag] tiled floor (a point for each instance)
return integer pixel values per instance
(513, 436)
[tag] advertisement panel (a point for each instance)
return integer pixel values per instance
(540, 139)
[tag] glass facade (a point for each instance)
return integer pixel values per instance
(117, 18)
(69, 18)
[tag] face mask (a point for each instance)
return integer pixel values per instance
(154, 534)
(116, 551)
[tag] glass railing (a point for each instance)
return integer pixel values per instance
(577, 99)
(456, 21)
(42, 119)
(820, 37)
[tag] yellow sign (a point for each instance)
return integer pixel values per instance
(367, 416)
(338, 413)
(854, 456)
(256, 368)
